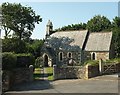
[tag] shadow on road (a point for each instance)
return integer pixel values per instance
(34, 85)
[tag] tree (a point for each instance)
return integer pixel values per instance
(14, 45)
(116, 35)
(34, 47)
(80, 26)
(20, 19)
(98, 23)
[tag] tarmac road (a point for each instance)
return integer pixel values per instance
(101, 84)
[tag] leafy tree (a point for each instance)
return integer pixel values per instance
(20, 46)
(34, 47)
(14, 45)
(116, 35)
(20, 19)
(98, 23)
(72, 27)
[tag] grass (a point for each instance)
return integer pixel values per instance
(36, 73)
(49, 69)
(49, 72)
(91, 62)
(37, 70)
(50, 78)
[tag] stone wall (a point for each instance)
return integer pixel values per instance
(6, 80)
(80, 72)
(16, 76)
(20, 75)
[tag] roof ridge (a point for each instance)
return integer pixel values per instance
(100, 32)
(70, 31)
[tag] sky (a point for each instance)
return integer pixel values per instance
(65, 13)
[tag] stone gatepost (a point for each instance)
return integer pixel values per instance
(86, 72)
(31, 73)
(101, 66)
(54, 72)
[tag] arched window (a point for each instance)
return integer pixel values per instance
(69, 55)
(60, 56)
(93, 56)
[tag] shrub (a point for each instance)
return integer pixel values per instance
(91, 62)
(8, 60)
(115, 60)
(11, 60)
(12, 44)
(24, 60)
(38, 62)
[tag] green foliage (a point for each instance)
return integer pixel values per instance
(91, 62)
(20, 46)
(49, 70)
(8, 60)
(37, 74)
(50, 73)
(11, 60)
(38, 62)
(50, 78)
(20, 19)
(98, 23)
(14, 45)
(115, 60)
(80, 26)
(34, 47)
(116, 35)
(24, 60)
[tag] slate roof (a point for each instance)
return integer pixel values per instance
(99, 41)
(77, 36)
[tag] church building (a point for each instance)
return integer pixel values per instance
(75, 47)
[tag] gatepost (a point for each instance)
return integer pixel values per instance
(31, 73)
(101, 66)
(54, 72)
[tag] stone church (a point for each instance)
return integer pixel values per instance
(75, 47)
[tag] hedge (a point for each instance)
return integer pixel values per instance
(24, 60)
(91, 62)
(8, 61)
(11, 60)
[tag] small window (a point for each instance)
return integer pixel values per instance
(69, 55)
(93, 56)
(60, 56)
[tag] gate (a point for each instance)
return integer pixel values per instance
(42, 73)
(46, 73)
(109, 68)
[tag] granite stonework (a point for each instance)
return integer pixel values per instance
(54, 46)
(79, 72)
(84, 72)
(16, 76)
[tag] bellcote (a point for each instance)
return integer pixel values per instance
(49, 28)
